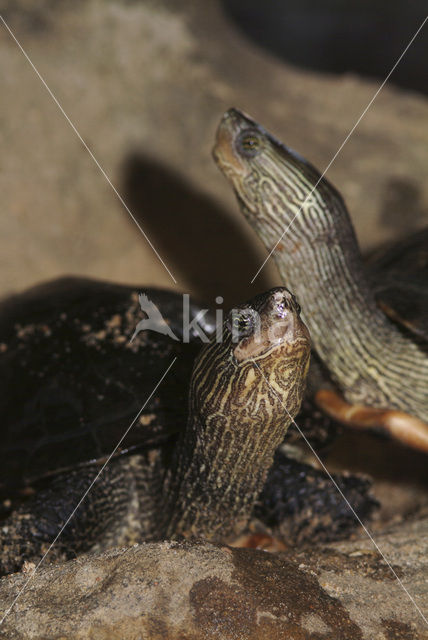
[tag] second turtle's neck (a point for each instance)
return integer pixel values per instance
(370, 358)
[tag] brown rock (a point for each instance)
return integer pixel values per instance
(198, 591)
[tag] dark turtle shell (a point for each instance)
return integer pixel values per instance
(400, 280)
(72, 382)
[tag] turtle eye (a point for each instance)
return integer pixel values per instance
(249, 143)
(240, 324)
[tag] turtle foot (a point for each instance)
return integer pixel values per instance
(398, 425)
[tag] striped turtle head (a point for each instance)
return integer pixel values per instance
(262, 327)
(278, 189)
(261, 361)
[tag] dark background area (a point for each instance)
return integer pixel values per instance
(365, 38)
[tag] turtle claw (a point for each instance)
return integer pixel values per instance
(398, 425)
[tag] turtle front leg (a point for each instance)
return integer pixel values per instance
(398, 425)
(115, 511)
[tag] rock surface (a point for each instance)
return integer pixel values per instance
(145, 83)
(198, 591)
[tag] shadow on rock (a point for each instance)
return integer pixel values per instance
(199, 240)
(402, 208)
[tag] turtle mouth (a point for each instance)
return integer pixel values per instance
(280, 332)
(224, 154)
(223, 149)
(259, 345)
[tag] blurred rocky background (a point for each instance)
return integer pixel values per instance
(146, 82)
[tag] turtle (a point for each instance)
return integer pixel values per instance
(205, 480)
(368, 323)
(71, 372)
